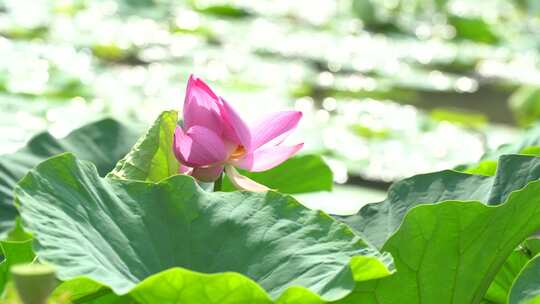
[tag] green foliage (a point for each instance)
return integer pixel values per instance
(234, 247)
(145, 234)
(174, 242)
(137, 234)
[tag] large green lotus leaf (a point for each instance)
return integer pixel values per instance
(526, 287)
(377, 221)
(103, 142)
(450, 252)
(152, 157)
(121, 232)
(300, 174)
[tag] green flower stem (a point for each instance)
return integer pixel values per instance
(218, 183)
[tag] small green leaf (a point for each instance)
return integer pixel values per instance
(152, 157)
(300, 174)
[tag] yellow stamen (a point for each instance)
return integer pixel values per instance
(238, 152)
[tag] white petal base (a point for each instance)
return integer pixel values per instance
(242, 182)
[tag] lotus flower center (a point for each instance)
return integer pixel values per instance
(238, 152)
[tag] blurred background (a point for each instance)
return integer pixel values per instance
(389, 88)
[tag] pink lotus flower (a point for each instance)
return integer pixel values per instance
(214, 138)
